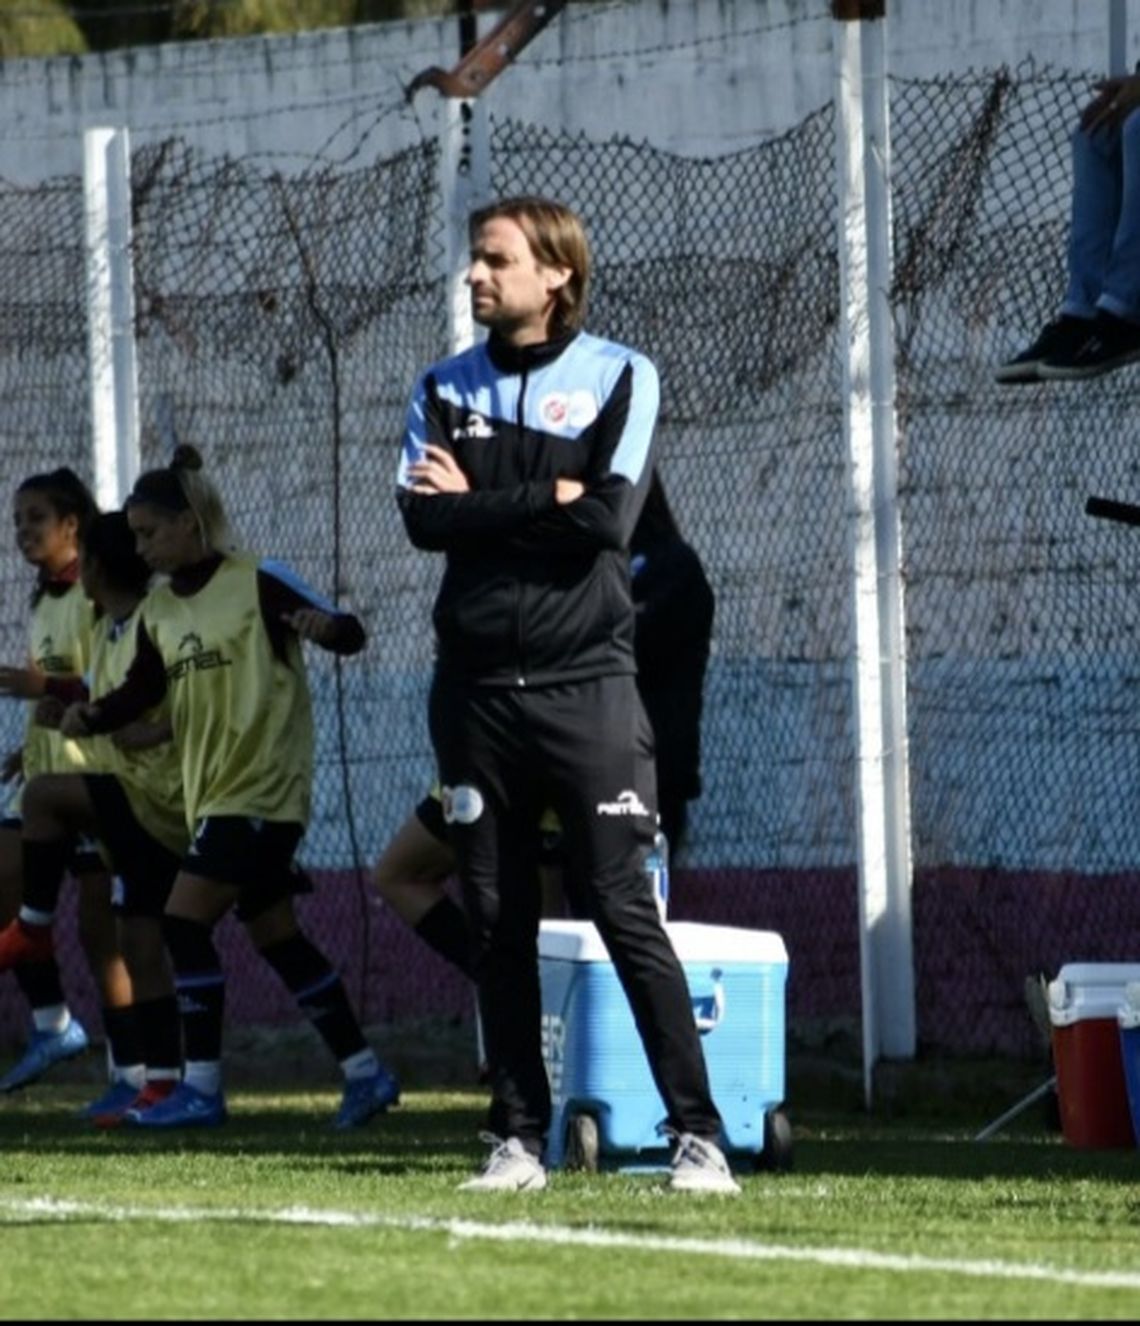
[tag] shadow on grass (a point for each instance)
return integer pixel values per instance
(1043, 1157)
(439, 1133)
(283, 1093)
(295, 1127)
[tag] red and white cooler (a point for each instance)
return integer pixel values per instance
(1084, 1002)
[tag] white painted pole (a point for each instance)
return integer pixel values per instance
(465, 172)
(1117, 37)
(895, 954)
(879, 681)
(110, 314)
(465, 184)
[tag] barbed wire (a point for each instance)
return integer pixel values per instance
(112, 11)
(530, 57)
(148, 7)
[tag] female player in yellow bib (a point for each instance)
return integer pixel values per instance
(50, 511)
(129, 799)
(220, 639)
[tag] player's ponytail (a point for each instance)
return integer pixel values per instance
(183, 486)
(186, 457)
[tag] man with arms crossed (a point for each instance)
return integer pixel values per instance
(526, 461)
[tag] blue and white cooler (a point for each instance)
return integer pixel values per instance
(606, 1107)
(1128, 1021)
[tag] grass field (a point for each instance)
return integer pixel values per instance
(895, 1213)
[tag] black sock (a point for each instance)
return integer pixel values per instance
(199, 984)
(319, 992)
(40, 983)
(444, 928)
(160, 1031)
(121, 1026)
(45, 864)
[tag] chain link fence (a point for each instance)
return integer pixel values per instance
(281, 320)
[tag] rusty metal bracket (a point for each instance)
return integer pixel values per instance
(491, 54)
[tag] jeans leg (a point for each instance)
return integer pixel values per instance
(1121, 293)
(1097, 190)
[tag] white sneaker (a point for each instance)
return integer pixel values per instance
(700, 1166)
(509, 1168)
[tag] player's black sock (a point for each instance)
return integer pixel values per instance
(444, 928)
(40, 983)
(200, 986)
(122, 1028)
(319, 992)
(161, 1034)
(44, 867)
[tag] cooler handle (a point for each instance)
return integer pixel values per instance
(709, 1009)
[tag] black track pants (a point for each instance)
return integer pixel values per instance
(584, 748)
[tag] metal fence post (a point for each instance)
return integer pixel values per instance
(879, 668)
(111, 314)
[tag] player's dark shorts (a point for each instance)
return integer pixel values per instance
(84, 859)
(430, 814)
(253, 855)
(143, 869)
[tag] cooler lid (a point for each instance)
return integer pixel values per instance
(1089, 990)
(579, 941)
(1128, 1014)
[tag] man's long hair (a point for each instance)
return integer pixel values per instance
(557, 238)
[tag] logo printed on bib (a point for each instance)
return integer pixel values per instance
(48, 660)
(195, 658)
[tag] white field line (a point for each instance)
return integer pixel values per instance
(14, 1209)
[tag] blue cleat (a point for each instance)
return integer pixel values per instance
(366, 1096)
(185, 1107)
(113, 1101)
(45, 1049)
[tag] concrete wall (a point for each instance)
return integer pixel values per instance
(706, 78)
(696, 78)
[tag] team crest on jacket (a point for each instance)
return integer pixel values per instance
(576, 409)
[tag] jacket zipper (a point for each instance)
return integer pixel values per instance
(520, 680)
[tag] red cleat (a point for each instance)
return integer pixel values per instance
(151, 1094)
(21, 943)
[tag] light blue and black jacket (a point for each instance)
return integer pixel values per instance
(534, 593)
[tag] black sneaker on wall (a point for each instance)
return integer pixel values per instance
(1110, 343)
(1057, 339)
